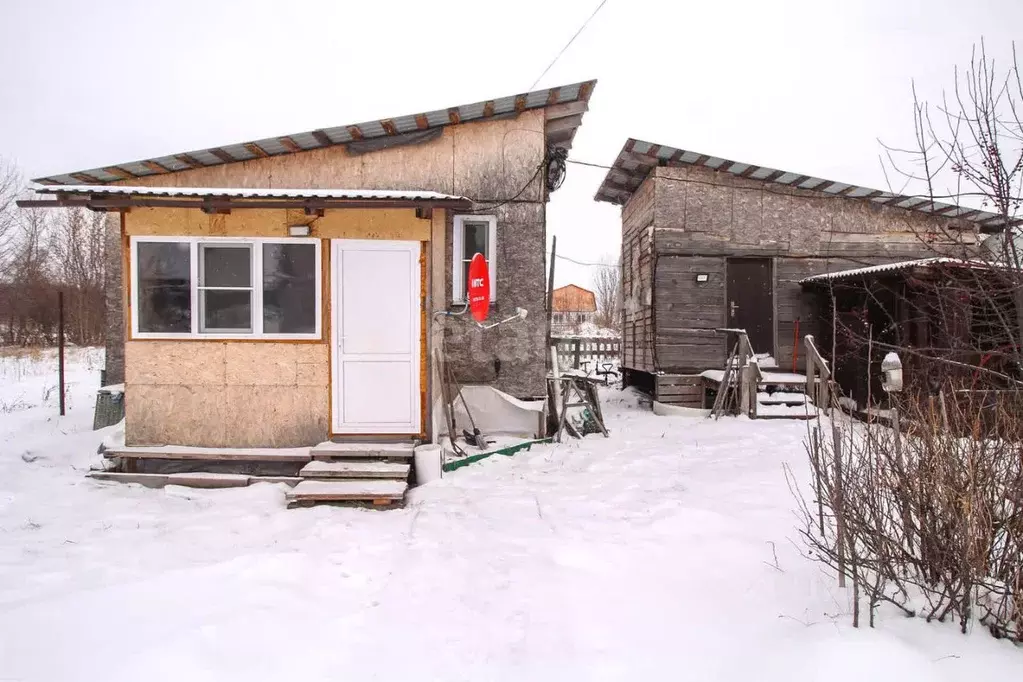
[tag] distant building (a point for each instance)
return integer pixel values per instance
(573, 306)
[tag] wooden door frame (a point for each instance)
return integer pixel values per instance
(336, 401)
(773, 281)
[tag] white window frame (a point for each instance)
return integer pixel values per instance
(200, 288)
(255, 245)
(458, 247)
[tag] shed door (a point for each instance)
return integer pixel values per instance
(376, 336)
(750, 301)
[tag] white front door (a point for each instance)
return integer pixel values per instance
(376, 336)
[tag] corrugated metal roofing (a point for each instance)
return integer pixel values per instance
(638, 158)
(244, 193)
(561, 135)
(894, 267)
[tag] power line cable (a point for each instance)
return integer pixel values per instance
(569, 43)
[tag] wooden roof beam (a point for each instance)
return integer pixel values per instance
(322, 137)
(155, 167)
(120, 172)
(189, 160)
(223, 155)
(256, 150)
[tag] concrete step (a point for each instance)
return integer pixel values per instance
(378, 492)
(361, 451)
(355, 469)
(198, 479)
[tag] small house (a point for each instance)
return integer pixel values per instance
(709, 243)
(284, 291)
(573, 307)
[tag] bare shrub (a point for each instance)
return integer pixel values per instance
(930, 520)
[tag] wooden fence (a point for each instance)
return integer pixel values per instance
(588, 353)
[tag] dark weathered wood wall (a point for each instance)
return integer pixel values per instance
(687, 312)
(686, 221)
(637, 279)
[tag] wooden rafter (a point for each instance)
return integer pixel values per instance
(120, 172)
(454, 117)
(355, 132)
(86, 178)
(155, 167)
(422, 122)
(223, 155)
(256, 150)
(289, 143)
(488, 109)
(520, 103)
(552, 96)
(389, 127)
(771, 177)
(749, 171)
(322, 137)
(189, 160)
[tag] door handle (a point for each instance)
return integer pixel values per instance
(733, 308)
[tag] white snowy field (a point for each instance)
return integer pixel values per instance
(650, 553)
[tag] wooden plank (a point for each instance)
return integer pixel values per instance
(155, 167)
(289, 143)
(120, 172)
(223, 155)
(348, 491)
(564, 109)
(188, 480)
(211, 454)
(355, 469)
(330, 451)
(255, 149)
(322, 137)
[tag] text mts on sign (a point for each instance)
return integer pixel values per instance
(479, 287)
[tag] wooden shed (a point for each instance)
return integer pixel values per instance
(709, 243)
(284, 291)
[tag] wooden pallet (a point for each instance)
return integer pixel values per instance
(378, 492)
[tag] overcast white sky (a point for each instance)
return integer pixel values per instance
(807, 86)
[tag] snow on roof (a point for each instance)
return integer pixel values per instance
(247, 193)
(892, 267)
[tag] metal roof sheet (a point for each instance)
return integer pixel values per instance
(894, 267)
(508, 105)
(245, 193)
(638, 159)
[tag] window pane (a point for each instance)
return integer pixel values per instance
(165, 287)
(226, 266)
(475, 240)
(465, 279)
(226, 310)
(289, 289)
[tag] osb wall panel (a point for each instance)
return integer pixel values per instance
(480, 160)
(224, 394)
(701, 211)
(354, 223)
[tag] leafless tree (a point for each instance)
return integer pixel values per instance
(11, 185)
(925, 509)
(76, 248)
(607, 284)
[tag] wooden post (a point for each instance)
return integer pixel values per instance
(550, 295)
(836, 506)
(811, 376)
(576, 344)
(60, 348)
(744, 396)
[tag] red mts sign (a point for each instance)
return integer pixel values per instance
(479, 287)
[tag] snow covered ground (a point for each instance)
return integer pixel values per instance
(665, 550)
